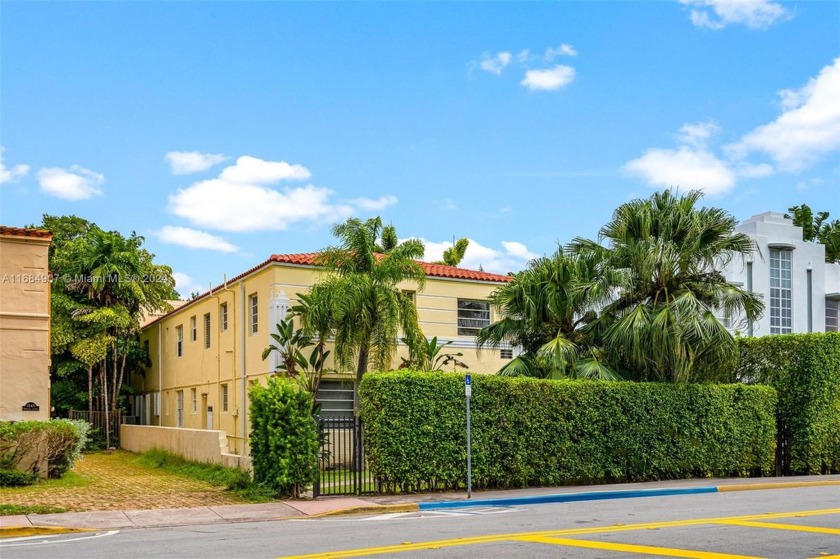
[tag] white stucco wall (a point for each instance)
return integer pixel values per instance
(772, 230)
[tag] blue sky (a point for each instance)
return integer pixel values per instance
(225, 132)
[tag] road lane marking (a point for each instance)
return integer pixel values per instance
(778, 485)
(43, 541)
(494, 538)
(777, 526)
(632, 548)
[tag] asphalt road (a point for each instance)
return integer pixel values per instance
(780, 523)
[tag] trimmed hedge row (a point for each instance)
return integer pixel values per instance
(284, 437)
(28, 446)
(529, 432)
(805, 371)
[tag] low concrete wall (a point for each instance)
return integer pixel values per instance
(198, 445)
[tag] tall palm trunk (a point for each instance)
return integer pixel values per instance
(90, 392)
(361, 369)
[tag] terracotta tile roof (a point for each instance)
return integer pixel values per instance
(434, 270)
(308, 259)
(21, 232)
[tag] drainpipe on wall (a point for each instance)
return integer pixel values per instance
(242, 338)
(160, 376)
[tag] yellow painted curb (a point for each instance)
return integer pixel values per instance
(779, 485)
(26, 531)
(382, 509)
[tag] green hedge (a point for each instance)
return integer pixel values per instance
(31, 445)
(805, 371)
(529, 432)
(284, 437)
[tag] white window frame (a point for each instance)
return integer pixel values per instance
(179, 340)
(781, 291)
(207, 330)
(194, 400)
(180, 406)
(225, 397)
(254, 306)
(471, 328)
(193, 329)
(223, 314)
(832, 315)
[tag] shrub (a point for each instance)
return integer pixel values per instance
(31, 445)
(805, 371)
(542, 432)
(284, 436)
(16, 478)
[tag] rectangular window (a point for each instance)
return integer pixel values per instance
(225, 397)
(206, 330)
(781, 296)
(193, 329)
(223, 316)
(194, 400)
(832, 315)
(336, 399)
(254, 313)
(179, 336)
(180, 395)
(472, 316)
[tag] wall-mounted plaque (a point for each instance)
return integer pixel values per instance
(30, 406)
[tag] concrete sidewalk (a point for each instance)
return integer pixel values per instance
(13, 526)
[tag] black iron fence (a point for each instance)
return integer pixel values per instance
(782, 449)
(105, 430)
(341, 463)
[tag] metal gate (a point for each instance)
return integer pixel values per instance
(106, 426)
(782, 449)
(341, 463)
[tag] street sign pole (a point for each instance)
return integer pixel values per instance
(468, 391)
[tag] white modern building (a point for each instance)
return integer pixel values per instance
(801, 291)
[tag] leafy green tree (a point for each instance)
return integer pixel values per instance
(454, 254)
(103, 283)
(289, 343)
(548, 310)
(429, 357)
(367, 308)
(388, 240)
(661, 322)
(817, 228)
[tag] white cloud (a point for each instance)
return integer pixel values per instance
(717, 14)
(242, 199)
(185, 285)
(76, 183)
(12, 174)
(749, 171)
(563, 50)
(512, 257)
(548, 79)
(495, 64)
(376, 205)
(686, 168)
(696, 134)
(186, 162)
(808, 128)
(251, 170)
(193, 238)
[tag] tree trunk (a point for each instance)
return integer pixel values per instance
(90, 392)
(120, 379)
(361, 369)
(105, 408)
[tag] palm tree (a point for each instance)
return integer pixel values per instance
(368, 309)
(661, 322)
(547, 314)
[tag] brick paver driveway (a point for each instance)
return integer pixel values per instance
(114, 481)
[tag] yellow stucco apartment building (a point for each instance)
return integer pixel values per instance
(206, 353)
(24, 324)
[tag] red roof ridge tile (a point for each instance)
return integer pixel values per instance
(25, 232)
